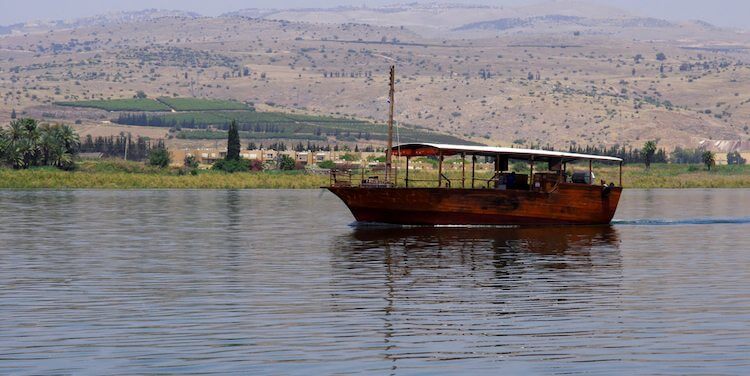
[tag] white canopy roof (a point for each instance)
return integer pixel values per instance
(427, 149)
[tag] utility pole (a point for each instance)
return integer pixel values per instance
(391, 95)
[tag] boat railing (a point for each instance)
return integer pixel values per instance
(376, 177)
(361, 177)
(447, 181)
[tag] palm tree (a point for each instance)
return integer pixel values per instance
(69, 138)
(47, 143)
(23, 143)
(27, 144)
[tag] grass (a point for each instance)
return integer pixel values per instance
(133, 104)
(197, 104)
(634, 176)
(118, 174)
(678, 176)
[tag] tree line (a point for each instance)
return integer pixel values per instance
(254, 126)
(313, 147)
(137, 149)
(628, 155)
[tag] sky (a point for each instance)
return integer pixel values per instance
(727, 13)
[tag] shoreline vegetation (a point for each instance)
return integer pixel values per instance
(118, 174)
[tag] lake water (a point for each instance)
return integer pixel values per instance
(278, 282)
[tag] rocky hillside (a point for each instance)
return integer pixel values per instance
(560, 75)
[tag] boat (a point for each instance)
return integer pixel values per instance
(544, 193)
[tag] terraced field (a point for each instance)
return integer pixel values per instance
(133, 104)
(208, 119)
(197, 104)
(273, 125)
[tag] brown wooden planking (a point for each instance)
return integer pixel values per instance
(569, 204)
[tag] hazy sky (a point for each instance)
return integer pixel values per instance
(731, 13)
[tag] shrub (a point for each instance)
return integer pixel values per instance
(232, 165)
(190, 162)
(256, 165)
(159, 157)
(327, 164)
(349, 157)
(286, 163)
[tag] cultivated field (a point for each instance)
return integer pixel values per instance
(203, 123)
(196, 104)
(119, 105)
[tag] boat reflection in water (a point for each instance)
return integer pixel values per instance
(480, 294)
(554, 247)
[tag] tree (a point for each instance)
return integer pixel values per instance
(648, 151)
(735, 158)
(57, 146)
(660, 56)
(286, 163)
(190, 162)
(233, 143)
(26, 144)
(159, 157)
(140, 95)
(22, 149)
(709, 159)
(13, 114)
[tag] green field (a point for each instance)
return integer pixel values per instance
(196, 104)
(133, 104)
(222, 135)
(203, 114)
(279, 125)
(160, 104)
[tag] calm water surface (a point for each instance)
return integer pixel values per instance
(259, 282)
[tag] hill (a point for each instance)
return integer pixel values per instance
(559, 74)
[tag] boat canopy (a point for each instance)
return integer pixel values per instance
(425, 150)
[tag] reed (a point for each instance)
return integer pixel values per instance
(55, 179)
(634, 176)
(115, 174)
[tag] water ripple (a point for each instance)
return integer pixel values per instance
(218, 282)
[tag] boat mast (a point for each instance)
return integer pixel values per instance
(391, 98)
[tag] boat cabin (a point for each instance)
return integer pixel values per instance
(547, 169)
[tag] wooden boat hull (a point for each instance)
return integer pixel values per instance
(570, 204)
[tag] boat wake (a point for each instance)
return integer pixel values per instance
(682, 222)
